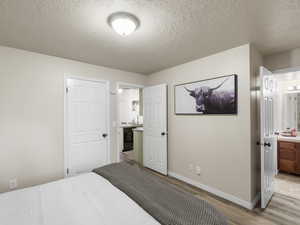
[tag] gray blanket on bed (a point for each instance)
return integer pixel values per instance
(165, 202)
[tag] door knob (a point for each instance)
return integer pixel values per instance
(104, 135)
(267, 144)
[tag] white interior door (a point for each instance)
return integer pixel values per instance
(87, 125)
(155, 128)
(268, 139)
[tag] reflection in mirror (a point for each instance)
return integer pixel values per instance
(291, 111)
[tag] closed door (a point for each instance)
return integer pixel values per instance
(87, 139)
(268, 139)
(155, 128)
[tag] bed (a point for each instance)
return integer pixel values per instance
(86, 199)
(117, 194)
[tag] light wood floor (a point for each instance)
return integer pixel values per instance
(282, 210)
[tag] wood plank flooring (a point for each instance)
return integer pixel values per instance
(282, 210)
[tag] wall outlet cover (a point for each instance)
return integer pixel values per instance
(13, 184)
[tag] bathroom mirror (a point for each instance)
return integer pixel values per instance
(291, 111)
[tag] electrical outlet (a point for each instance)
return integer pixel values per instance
(198, 170)
(13, 184)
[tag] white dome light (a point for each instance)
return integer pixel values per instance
(123, 23)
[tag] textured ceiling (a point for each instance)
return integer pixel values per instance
(172, 31)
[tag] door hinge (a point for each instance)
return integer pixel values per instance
(67, 89)
(67, 171)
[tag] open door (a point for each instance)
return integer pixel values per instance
(268, 140)
(155, 128)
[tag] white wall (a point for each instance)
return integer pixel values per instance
(32, 113)
(283, 60)
(220, 144)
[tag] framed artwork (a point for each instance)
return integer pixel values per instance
(207, 97)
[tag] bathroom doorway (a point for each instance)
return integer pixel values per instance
(287, 127)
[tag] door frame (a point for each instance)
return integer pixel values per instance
(118, 122)
(66, 140)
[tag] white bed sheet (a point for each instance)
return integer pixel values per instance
(87, 199)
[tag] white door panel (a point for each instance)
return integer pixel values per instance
(155, 128)
(268, 139)
(87, 125)
(87, 156)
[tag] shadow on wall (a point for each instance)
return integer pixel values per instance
(283, 60)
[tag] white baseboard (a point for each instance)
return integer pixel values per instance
(229, 197)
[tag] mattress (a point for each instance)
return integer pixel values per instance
(87, 199)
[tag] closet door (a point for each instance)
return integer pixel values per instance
(87, 139)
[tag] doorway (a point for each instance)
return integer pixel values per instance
(130, 122)
(287, 126)
(87, 133)
(142, 125)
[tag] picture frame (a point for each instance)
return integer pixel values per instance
(212, 96)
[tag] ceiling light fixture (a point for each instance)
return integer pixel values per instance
(123, 23)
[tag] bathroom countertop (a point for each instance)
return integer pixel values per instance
(141, 129)
(131, 125)
(291, 139)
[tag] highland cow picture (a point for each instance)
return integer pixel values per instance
(212, 96)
